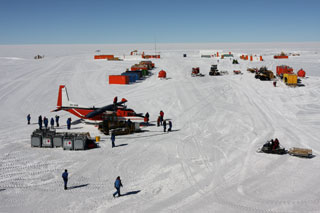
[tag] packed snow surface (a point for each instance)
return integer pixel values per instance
(208, 163)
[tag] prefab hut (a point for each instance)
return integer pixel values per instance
(290, 79)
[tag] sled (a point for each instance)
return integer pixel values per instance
(300, 152)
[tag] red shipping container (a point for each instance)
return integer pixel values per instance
(280, 56)
(104, 57)
(118, 79)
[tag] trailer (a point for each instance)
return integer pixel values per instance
(300, 152)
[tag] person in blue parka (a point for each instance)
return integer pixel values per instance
(57, 120)
(45, 122)
(52, 123)
(113, 138)
(117, 185)
(28, 118)
(65, 179)
(69, 123)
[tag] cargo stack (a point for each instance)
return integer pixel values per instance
(68, 141)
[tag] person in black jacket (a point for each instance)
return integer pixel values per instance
(170, 126)
(40, 122)
(164, 125)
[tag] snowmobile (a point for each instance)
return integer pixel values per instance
(196, 72)
(268, 148)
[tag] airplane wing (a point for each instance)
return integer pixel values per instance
(109, 107)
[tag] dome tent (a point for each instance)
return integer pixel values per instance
(301, 73)
(162, 74)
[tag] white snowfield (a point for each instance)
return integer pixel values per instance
(208, 163)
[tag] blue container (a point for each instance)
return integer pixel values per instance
(132, 77)
(139, 73)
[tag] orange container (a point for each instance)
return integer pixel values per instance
(251, 58)
(118, 79)
(104, 57)
(261, 59)
(280, 56)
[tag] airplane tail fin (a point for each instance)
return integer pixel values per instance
(63, 98)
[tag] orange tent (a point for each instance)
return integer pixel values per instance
(162, 74)
(301, 73)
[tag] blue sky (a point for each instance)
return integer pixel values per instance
(167, 21)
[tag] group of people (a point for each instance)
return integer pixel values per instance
(274, 143)
(45, 121)
(162, 122)
(117, 183)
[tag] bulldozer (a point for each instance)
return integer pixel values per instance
(264, 74)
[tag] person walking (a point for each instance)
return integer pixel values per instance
(45, 122)
(113, 138)
(52, 123)
(164, 125)
(69, 123)
(40, 122)
(117, 185)
(65, 179)
(28, 118)
(57, 120)
(170, 126)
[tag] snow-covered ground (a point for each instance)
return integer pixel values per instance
(208, 163)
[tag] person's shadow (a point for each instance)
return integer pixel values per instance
(79, 186)
(124, 144)
(131, 193)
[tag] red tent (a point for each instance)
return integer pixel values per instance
(162, 74)
(301, 73)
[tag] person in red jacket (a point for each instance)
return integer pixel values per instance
(275, 144)
(161, 117)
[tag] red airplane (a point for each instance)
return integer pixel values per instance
(93, 113)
